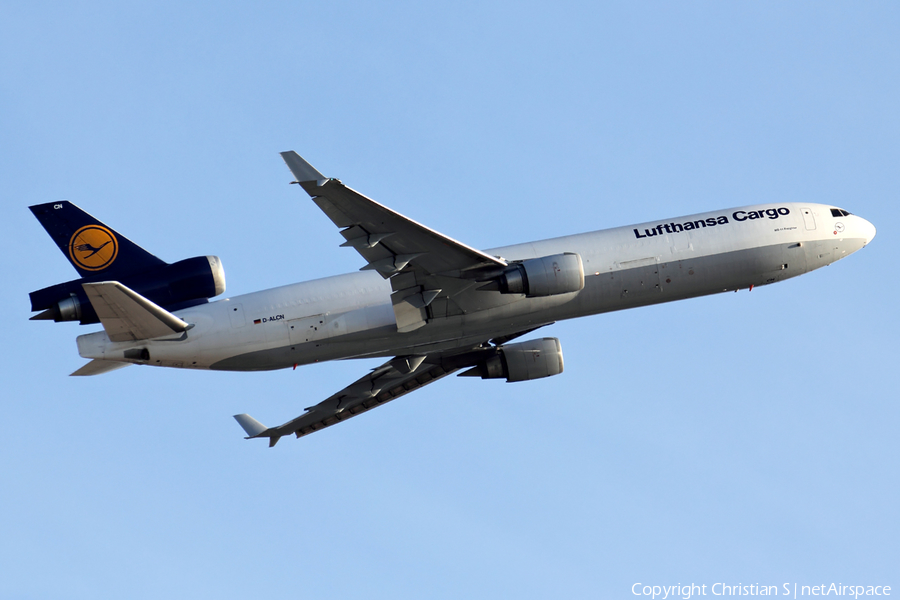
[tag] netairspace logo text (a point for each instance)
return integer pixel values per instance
(787, 589)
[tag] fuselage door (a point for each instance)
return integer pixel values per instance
(236, 312)
(809, 220)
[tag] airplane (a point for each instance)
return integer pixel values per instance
(428, 304)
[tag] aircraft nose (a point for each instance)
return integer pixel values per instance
(867, 230)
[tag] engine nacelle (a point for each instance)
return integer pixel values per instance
(544, 276)
(192, 278)
(70, 308)
(523, 361)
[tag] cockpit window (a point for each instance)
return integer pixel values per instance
(837, 212)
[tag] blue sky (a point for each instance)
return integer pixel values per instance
(742, 438)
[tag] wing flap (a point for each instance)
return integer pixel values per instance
(128, 316)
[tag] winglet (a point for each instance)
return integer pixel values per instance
(253, 427)
(302, 170)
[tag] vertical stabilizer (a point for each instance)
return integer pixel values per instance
(89, 245)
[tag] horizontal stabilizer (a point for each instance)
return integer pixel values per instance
(127, 316)
(98, 367)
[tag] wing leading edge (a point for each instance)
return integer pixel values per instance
(387, 240)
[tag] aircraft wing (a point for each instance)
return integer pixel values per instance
(397, 377)
(387, 240)
(421, 263)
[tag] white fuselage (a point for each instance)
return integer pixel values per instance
(351, 315)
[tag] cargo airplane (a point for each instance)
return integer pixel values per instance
(428, 304)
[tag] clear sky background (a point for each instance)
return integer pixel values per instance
(742, 438)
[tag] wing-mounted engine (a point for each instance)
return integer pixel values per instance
(185, 283)
(522, 361)
(540, 277)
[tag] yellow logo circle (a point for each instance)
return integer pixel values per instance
(93, 247)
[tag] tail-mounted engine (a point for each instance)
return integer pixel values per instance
(544, 276)
(522, 361)
(179, 285)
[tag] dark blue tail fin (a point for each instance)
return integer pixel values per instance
(92, 247)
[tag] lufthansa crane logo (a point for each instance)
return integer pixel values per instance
(93, 247)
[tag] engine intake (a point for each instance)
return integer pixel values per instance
(545, 276)
(523, 361)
